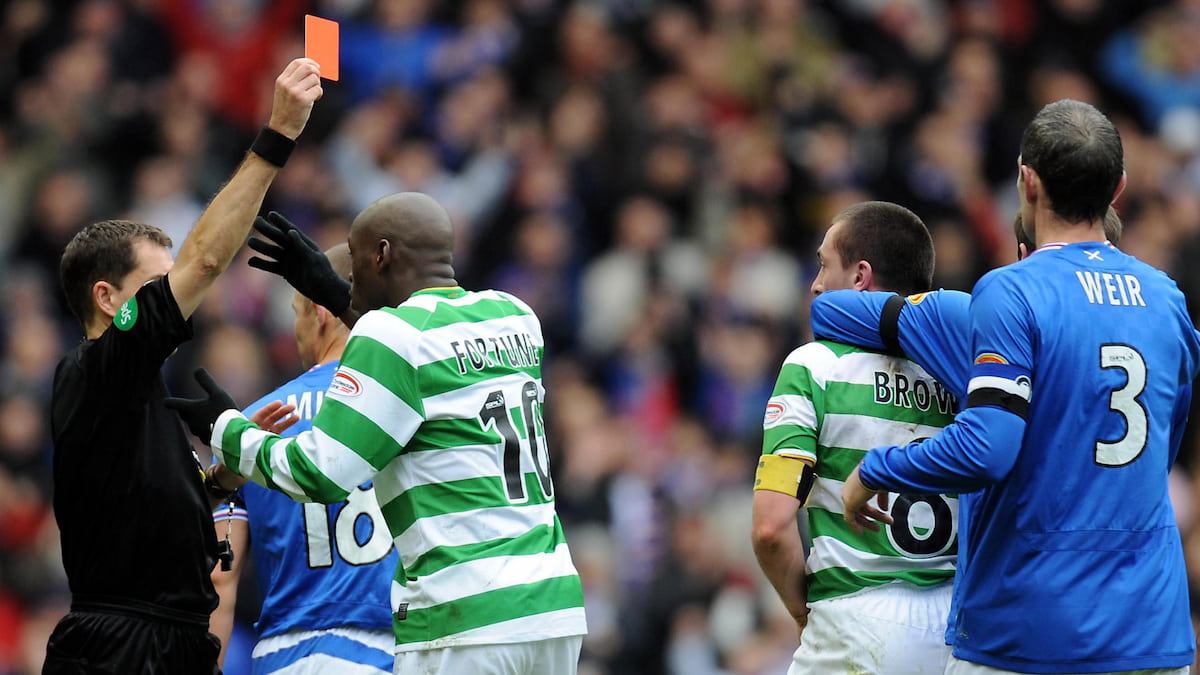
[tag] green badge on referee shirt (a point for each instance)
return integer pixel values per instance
(127, 315)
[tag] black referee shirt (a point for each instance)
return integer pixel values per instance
(128, 487)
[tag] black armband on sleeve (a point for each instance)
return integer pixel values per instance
(889, 325)
(998, 398)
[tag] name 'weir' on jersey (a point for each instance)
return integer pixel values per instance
(832, 404)
(440, 399)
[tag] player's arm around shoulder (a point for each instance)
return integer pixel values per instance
(224, 225)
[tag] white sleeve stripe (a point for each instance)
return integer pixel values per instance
(1021, 389)
(340, 464)
(795, 410)
(378, 404)
(331, 458)
(796, 453)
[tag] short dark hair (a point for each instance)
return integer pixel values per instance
(893, 239)
(1077, 152)
(101, 251)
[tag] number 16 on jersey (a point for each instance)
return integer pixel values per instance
(532, 444)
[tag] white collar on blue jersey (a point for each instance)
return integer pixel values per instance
(1060, 244)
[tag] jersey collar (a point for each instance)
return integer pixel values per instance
(450, 292)
(1060, 244)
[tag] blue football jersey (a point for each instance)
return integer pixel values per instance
(318, 566)
(1080, 382)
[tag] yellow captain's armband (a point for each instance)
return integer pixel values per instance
(791, 476)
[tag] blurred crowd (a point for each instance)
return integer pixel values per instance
(652, 177)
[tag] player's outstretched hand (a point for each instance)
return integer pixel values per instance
(275, 417)
(200, 414)
(858, 513)
(298, 259)
(296, 89)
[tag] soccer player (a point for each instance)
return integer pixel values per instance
(878, 599)
(438, 398)
(324, 571)
(129, 492)
(1082, 363)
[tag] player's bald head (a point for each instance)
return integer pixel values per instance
(409, 219)
(339, 257)
(399, 245)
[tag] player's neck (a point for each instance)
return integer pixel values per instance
(332, 351)
(1054, 230)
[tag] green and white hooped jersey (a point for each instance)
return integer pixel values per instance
(832, 404)
(439, 401)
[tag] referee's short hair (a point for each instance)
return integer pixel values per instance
(101, 251)
(893, 239)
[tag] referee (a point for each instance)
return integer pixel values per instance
(141, 592)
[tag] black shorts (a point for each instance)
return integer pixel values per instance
(113, 643)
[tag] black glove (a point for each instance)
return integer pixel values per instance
(300, 262)
(200, 414)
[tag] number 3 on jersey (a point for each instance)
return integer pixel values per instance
(532, 443)
(1124, 401)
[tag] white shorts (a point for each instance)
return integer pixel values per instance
(346, 651)
(558, 656)
(896, 629)
(960, 667)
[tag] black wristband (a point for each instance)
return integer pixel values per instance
(273, 146)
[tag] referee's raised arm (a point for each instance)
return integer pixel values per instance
(224, 225)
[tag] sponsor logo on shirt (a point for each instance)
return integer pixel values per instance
(345, 384)
(127, 315)
(917, 298)
(990, 357)
(774, 412)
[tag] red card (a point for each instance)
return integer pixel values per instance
(321, 44)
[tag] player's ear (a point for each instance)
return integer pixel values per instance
(1022, 251)
(320, 312)
(1030, 183)
(383, 254)
(864, 275)
(1119, 190)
